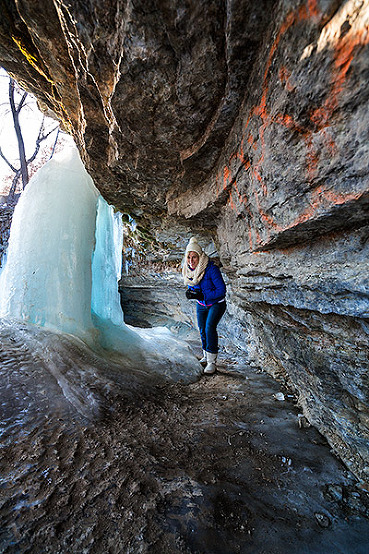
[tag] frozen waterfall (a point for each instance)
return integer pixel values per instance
(47, 276)
(62, 268)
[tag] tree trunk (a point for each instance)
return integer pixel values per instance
(15, 113)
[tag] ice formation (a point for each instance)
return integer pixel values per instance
(62, 267)
(47, 276)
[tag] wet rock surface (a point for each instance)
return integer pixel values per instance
(221, 465)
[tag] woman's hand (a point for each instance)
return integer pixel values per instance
(196, 294)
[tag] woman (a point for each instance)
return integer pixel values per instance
(206, 285)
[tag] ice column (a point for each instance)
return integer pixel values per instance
(107, 263)
(107, 314)
(47, 277)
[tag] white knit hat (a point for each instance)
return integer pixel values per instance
(193, 246)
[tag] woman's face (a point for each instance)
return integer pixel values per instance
(193, 259)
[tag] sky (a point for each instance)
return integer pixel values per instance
(30, 119)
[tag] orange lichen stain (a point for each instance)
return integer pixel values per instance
(283, 74)
(268, 220)
(307, 214)
(310, 10)
(312, 157)
(246, 164)
(261, 109)
(242, 198)
(343, 56)
(233, 157)
(260, 179)
(258, 238)
(288, 22)
(284, 77)
(321, 116)
(329, 141)
(341, 198)
(241, 157)
(313, 9)
(288, 121)
(302, 13)
(226, 175)
(344, 52)
(230, 201)
(321, 198)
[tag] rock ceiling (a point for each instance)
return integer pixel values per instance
(149, 90)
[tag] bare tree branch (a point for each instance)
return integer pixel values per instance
(7, 161)
(41, 128)
(13, 188)
(56, 140)
(38, 145)
(50, 132)
(11, 195)
(22, 100)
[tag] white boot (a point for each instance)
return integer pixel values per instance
(210, 366)
(204, 358)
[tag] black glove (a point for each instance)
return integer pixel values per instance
(194, 294)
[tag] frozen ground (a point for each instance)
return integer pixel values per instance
(111, 461)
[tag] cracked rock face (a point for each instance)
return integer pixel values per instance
(246, 123)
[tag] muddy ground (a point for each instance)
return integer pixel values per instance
(219, 466)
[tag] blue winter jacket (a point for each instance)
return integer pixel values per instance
(212, 285)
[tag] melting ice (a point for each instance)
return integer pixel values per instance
(61, 272)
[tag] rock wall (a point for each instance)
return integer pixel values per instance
(298, 210)
(290, 197)
(246, 123)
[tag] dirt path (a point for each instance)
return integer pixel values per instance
(219, 466)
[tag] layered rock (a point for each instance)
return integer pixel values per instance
(247, 124)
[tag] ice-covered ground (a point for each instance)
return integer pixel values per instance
(96, 459)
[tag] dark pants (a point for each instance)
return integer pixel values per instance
(208, 318)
